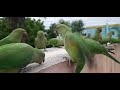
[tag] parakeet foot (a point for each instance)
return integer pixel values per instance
(69, 60)
(111, 52)
(21, 70)
(45, 50)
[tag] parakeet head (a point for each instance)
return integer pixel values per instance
(89, 35)
(62, 29)
(99, 30)
(39, 56)
(40, 34)
(111, 33)
(19, 33)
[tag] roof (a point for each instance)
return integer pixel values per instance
(102, 26)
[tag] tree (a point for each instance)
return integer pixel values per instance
(77, 26)
(5, 29)
(61, 21)
(31, 26)
(51, 31)
(16, 22)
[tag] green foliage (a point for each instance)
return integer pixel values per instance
(5, 29)
(77, 26)
(16, 22)
(51, 32)
(61, 21)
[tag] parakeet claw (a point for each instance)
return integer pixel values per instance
(22, 70)
(111, 52)
(69, 60)
(43, 60)
(45, 50)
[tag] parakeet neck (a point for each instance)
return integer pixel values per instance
(16, 35)
(97, 31)
(37, 56)
(63, 33)
(40, 36)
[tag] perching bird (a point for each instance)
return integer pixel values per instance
(14, 37)
(81, 49)
(107, 38)
(40, 40)
(15, 56)
(97, 36)
(55, 42)
(116, 40)
(88, 35)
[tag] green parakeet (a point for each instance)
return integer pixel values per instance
(97, 36)
(62, 30)
(55, 42)
(14, 37)
(15, 56)
(81, 49)
(107, 38)
(88, 36)
(115, 40)
(60, 42)
(40, 40)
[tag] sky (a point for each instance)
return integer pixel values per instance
(88, 21)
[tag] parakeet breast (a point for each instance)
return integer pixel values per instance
(72, 46)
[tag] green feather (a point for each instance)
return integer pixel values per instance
(97, 35)
(14, 37)
(18, 55)
(80, 48)
(40, 40)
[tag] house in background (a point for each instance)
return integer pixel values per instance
(105, 29)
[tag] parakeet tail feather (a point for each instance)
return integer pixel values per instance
(112, 58)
